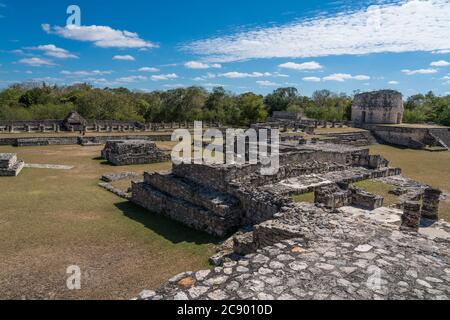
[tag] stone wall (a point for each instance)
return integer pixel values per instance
(72, 140)
(411, 137)
(131, 152)
(378, 107)
(10, 166)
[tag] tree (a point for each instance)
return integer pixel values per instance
(281, 99)
(252, 108)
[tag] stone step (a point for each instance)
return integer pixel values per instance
(182, 211)
(177, 187)
(13, 169)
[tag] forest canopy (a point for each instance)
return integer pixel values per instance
(40, 102)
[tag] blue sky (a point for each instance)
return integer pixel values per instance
(242, 45)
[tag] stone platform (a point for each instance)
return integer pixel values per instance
(219, 199)
(336, 257)
(9, 165)
(131, 152)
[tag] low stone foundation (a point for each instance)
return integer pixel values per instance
(131, 152)
(9, 165)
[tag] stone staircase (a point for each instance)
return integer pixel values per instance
(359, 139)
(188, 202)
(442, 137)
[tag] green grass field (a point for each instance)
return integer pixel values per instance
(52, 219)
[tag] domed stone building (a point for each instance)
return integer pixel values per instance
(378, 107)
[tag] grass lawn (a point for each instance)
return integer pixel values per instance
(306, 197)
(432, 168)
(52, 219)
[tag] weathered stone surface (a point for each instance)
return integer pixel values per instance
(9, 165)
(128, 152)
(411, 216)
(378, 107)
(358, 259)
(431, 200)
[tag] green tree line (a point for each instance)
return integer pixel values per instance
(40, 102)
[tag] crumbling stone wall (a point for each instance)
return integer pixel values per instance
(333, 197)
(378, 107)
(128, 152)
(411, 137)
(10, 166)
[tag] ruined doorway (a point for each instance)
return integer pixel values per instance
(363, 117)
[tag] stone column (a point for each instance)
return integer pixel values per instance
(430, 208)
(411, 216)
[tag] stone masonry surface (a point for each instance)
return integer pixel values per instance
(9, 165)
(129, 152)
(345, 257)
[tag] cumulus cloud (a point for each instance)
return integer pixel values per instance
(85, 73)
(36, 62)
(266, 83)
(131, 79)
(419, 71)
(311, 79)
(201, 65)
(162, 77)
(101, 36)
(402, 26)
(393, 82)
(239, 75)
(53, 51)
(148, 69)
(440, 63)
(124, 58)
(341, 77)
(301, 66)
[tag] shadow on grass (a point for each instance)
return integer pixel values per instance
(165, 227)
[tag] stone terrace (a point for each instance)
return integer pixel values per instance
(219, 199)
(339, 256)
(130, 152)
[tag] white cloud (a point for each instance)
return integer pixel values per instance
(441, 51)
(36, 62)
(131, 79)
(403, 26)
(85, 73)
(148, 69)
(440, 63)
(341, 77)
(393, 82)
(311, 79)
(301, 66)
(419, 71)
(163, 77)
(361, 77)
(124, 58)
(53, 51)
(201, 65)
(101, 36)
(266, 83)
(175, 86)
(238, 75)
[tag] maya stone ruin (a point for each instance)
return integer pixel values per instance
(131, 152)
(344, 246)
(378, 107)
(10, 166)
